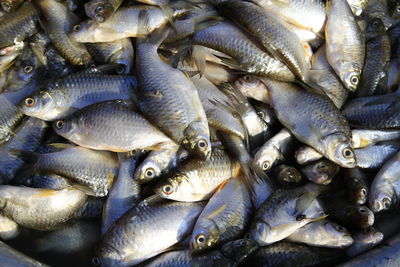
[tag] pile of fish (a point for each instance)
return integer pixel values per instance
(199, 132)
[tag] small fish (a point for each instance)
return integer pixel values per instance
(224, 218)
(321, 172)
(283, 213)
(364, 137)
(345, 44)
(40, 209)
(374, 156)
(322, 234)
(142, 232)
(363, 241)
(306, 154)
(356, 185)
(288, 176)
(384, 191)
(101, 10)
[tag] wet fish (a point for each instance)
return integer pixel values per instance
(274, 150)
(364, 137)
(318, 123)
(141, 233)
(306, 154)
(345, 44)
(357, 6)
(18, 25)
(57, 22)
(10, 5)
(321, 172)
(377, 58)
(195, 180)
(384, 191)
(64, 96)
(322, 234)
(113, 126)
(363, 241)
(11, 257)
(224, 218)
(164, 88)
(271, 32)
(288, 176)
(8, 228)
(10, 117)
(356, 185)
(373, 112)
(283, 213)
(40, 209)
(374, 156)
(101, 10)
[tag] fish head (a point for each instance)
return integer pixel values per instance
(375, 27)
(238, 250)
(98, 10)
(321, 172)
(289, 174)
(382, 198)
(204, 237)
(40, 105)
(197, 140)
(351, 75)
(362, 215)
(260, 232)
(65, 128)
(369, 236)
(85, 32)
(147, 171)
(339, 232)
(267, 159)
(358, 192)
(176, 188)
(247, 84)
(340, 151)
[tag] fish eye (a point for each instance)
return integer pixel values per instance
(27, 69)
(243, 243)
(339, 228)
(261, 114)
(364, 192)
(167, 189)
(29, 102)
(265, 165)
(77, 27)
(354, 80)
(59, 124)
(321, 166)
(96, 261)
(201, 239)
(120, 69)
(362, 210)
(386, 202)
(347, 153)
(247, 78)
(202, 144)
(149, 173)
(99, 9)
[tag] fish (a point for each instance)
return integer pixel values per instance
(11, 257)
(321, 171)
(101, 10)
(64, 96)
(49, 181)
(356, 185)
(270, 30)
(363, 241)
(306, 154)
(224, 218)
(194, 180)
(364, 137)
(10, 5)
(383, 191)
(273, 150)
(40, 209)
(308, 15)
(90, 170)
(345, 44)
(357, 6)
(183, 118)
(322, 234)
(91, 209)
(230, 254)
(318, 124)
(124, 193)
(283, 213)
(291, 254)
(57, 22)
(10, 118)
(19, 25)
(374, 156)
(141, 233)
(326, 78)
(158, 163)
(95, 127)
(288, 176)
(252, 87)
(227, 38)
(374, 112)
(377, 59)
